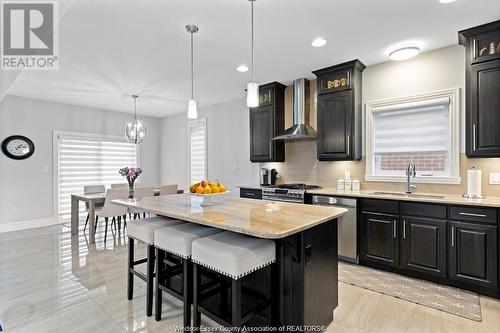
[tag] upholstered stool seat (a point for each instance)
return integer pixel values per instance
(173, 253)
(236, 256)
(144, 230)
(233, 255)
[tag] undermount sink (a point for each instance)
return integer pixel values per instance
(411, 195)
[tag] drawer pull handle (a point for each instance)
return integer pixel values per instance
(452, 236)
(404, 229)
(474, 137)
(472, 214)
(250, 194)
(394, 222)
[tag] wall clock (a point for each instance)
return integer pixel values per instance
(18, 147)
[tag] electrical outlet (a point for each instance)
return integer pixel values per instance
(494, 178)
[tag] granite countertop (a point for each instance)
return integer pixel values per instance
(258, 218)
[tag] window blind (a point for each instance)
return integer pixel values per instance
(89, 161)
(412, 128)
(197, 148)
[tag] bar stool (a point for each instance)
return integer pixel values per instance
(143, 231)
(235, 256)
(176, 241)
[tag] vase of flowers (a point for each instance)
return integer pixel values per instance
(131, 174)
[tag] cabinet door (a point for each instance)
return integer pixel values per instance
(484, 110)
(473, 254)
(261, 133)
(334, 126)
(379, 241)
(424, 245)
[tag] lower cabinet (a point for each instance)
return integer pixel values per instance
(380, 242)
(473, 254)
(424, 245)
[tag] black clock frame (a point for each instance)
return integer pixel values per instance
(6, 141)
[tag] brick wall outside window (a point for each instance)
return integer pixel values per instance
(423, 161)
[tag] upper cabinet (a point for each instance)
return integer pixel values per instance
(482, 89)
(267, 121)
(339, 112)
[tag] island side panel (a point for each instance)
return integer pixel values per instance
(309, 276)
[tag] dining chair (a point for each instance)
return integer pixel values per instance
(110, 209)
(141, 192)
(119, 185)
(92, 189)
(169, 189)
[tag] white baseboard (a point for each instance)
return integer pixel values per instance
(23, 225)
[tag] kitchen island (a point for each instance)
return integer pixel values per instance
(306, 246)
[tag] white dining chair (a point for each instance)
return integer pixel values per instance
(112, 210)
(92, 189)
(169, 189)
(141, 192)
(120, 185)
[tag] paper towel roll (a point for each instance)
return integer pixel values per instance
(474, 182)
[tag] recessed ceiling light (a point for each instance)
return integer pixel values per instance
(404, 53)
(242, 68)
(318, 42)
(446, 1)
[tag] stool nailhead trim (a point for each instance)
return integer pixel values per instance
(235, 277)
(174, 252)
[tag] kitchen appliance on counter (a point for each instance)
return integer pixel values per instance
(287, 192)
(268, 176)
(347, 225)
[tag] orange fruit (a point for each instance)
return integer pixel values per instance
(222, 188)
(215, 189)
(200, 189)
(208, 190)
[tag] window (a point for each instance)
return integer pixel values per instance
(197, 150)
(85, 159)
(422, 130)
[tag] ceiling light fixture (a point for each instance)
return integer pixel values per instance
(192, 104)
(446, 1)
(135, 130)
(318, 42)
(404, 53)
(252, 87)
(242, 68)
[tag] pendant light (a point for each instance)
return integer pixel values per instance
(192, 104)
(252, 87)
(135, 130)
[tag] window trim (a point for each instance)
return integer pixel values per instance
(190, 124)
(454, 125)
(55, 158)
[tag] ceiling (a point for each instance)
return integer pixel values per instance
(110, 49)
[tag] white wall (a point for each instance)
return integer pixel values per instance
(228, 141)
(28, 184)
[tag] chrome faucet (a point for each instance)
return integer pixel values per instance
(411, 171)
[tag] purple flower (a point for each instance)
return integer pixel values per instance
(130, 173)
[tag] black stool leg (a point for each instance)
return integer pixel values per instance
(196, 295)
(159, 277)
(150, 279)
(130, 275)
(275, 294)
(236, 302)
(187, 281)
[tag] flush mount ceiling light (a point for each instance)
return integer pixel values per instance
(135, 130)
(404, 53)
(192, 104)
(446, 1)
(318, 42)
(252, 87)
(242, 68)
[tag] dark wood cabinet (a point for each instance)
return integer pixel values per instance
(424, 245)
(380, 241)
(266, 122)
(250, 193)
(482, 89)
(473, 254)
(339, 112)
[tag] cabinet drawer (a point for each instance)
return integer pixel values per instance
(380, 206)
(473, 214)
(422, 209)
(250, 193)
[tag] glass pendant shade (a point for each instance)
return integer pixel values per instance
(135, 131)
(192, 109)
(252, 95)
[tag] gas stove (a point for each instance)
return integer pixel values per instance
(287, 192)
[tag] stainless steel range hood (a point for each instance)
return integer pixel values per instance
(300, 129)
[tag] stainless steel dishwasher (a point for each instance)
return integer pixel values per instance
(347, 225)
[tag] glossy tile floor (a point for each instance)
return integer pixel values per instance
(52, 282)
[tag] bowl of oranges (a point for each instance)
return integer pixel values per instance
(207, 190)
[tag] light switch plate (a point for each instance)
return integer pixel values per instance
(494, 178)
